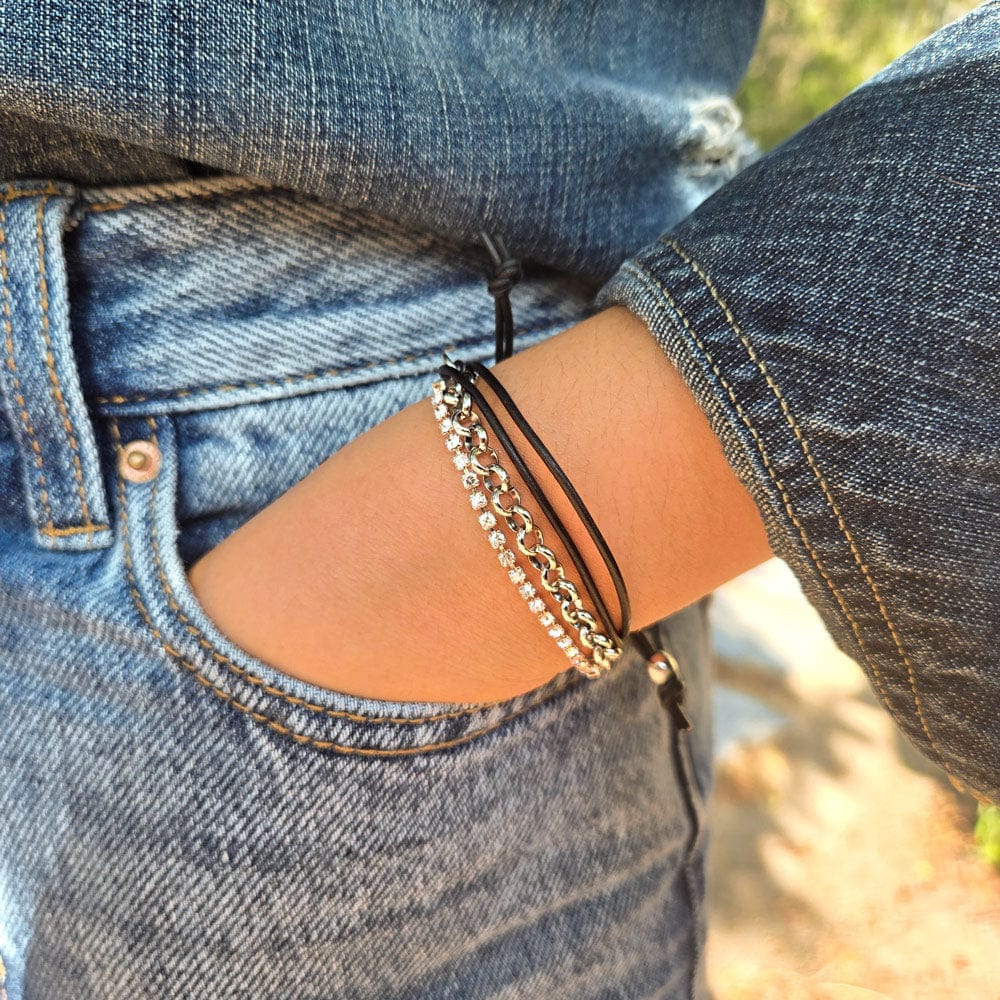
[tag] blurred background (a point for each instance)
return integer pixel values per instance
(842, 863)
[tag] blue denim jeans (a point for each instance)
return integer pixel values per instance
(179, 819)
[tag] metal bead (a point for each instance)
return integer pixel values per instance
(661, 666)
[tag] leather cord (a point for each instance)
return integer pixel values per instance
(466, 377)
(505, 274)
(565, 485)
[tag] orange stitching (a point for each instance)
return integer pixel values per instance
(11, 194)
(786, 500)
(3, 980)
(291, 379)
(12, 367)
(259, 384)
(76, 529)
(260, 717)
(257, 681)
(223, 187)
(50, 362)
(234, 187)
(796, 430)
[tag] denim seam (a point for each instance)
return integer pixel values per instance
(786, 500)
(241, 672)
(227, 186)
(211, 197)
(260, 717)
(122, 400)
(824, 486)
(684, 758)
(39, 459)
(12, 193)
(88, 527)
(48, 528)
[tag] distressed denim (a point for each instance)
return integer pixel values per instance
(178, 818)
(578, 131)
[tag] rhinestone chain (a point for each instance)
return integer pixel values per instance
(468, 440)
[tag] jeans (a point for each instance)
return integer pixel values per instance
(578, 134)
(180, 819)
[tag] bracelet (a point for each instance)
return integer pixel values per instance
(471, 470)
(453, 409)
(481, 371)
(466, 376)
(507, 559)
(504, 272)
(453, 396)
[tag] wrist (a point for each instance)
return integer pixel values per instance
(372, 575)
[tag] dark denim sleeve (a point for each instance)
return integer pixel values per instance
(834, 311)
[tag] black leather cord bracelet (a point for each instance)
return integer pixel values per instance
(507, 271)
(467, 379)
(519, 420)
(505, 274)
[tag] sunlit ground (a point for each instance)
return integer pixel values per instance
(838, 854)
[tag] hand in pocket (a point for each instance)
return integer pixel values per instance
(372, 576)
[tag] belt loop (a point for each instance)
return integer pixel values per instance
(60, 467)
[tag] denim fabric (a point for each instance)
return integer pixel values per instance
(578, 131)
(834, 310)
(177, 818)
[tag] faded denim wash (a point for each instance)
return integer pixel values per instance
(578, 131)
(179, 819)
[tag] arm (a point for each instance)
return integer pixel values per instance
(832, 312)
(372, 576)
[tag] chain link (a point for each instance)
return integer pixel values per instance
(485, 462)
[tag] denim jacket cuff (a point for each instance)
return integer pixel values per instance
(781, 438)
(833, 310)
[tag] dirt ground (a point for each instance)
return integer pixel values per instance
(842, 864)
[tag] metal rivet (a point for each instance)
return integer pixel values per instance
(661, 666)
(139, 462)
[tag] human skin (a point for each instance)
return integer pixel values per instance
(372, 576)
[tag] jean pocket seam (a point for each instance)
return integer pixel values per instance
(321, 379)
(244, 676)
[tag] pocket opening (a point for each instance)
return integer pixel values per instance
(305, 713)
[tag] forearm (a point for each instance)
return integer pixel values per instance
(372, 576)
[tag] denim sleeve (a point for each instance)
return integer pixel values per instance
(834, 311)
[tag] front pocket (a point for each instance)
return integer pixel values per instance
(287, 707)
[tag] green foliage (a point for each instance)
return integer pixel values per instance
(988, 834)
(813, 52)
